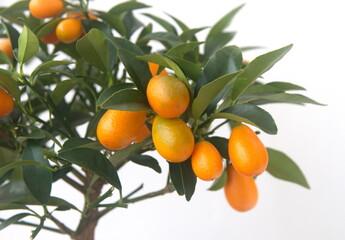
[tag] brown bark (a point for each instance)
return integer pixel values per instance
(88, 223)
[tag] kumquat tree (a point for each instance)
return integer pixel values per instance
(64, 65)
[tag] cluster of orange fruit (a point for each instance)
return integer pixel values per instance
(173, 139)
(68, 30)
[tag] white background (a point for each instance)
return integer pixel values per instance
(311, 135)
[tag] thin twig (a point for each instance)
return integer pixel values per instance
(79, 175)
(74, 184)
(63, 227)
(35, 225)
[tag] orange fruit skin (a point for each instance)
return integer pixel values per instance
(167, 95)
(6, 47)
(50, 38)
(69, 30)
(81, 16)
(240, 191)
(6, 103)
(144, 132)
(172, 138)
(206, 161)
(247, 153)
(118, 129)
(45, 8)
(154, 69)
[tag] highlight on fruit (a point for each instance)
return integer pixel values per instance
(85, 92)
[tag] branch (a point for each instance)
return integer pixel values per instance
(74, 184)
(63, 227)
(35, 225)
(79, 175)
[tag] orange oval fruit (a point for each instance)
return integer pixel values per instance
(69, 30)
(247, 153)
(154, 69)
(168, 96)
(6, 103)
(45, 8)
(81, 15)
(240, 191)
(6, 47)
(172, 138)
(118, 129)
(206, 161)
(50, 38)
(143, 133)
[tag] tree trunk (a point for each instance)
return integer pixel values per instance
(87, 224)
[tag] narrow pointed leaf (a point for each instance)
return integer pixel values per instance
(285, 86)
(216, 42)
(283, 167)
(221, 144)
(28, 45)
(286, 98)
(181, 49)
(8, 82)
(127, 6)
(13, 219)
(147, 161)
(166, 25)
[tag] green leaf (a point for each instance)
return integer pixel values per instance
(28, 45)
(250, 114)
(181, 49)
(217, 42)
(115, 22)
(48, 27)
(223, 23)
(221, 144)
(62, 88)
(209, 91)
(189, 34)
(131, 24)
(89, 24)
(183, 178)
(127, 6)
(14, 219)
(17, 7)
(21, 163)
(147, 161)
(38, 179)
(77, 143)
(181, 24)
(286, 98)
(8, 82)
(13, 190)
(48, 65)
(165, 24)
(224, 61)
(92, 126)
(166, 62)
(283, 167)
(121, 43)
(189, 69)
(4, 59)
(94, 162)
(12, 33)
(126, 100)
(12, 206)
(93, 48)
(285, 86)
(109, 92)
(256, 68)
(137, 69)
(164, 37)
(7, 156)
(38, 228)
(220, 182)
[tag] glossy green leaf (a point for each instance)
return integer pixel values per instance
(94, 162)
(12, 33)
(189, 34)
(167, 37)
(121, 43)
(216, 42)
(131, 24)
(250, 114)
(13, 219)
(181, 24)
(15, 8)
(165, 24)
(283, 167)
(28, 45)
(62, 88)
(127, 6)
(147, 161)
(208, 92)
(12, 206)
(166, 62)
(220, 182)
(77, 143)
(224, 61)
(8, 82)
(4, 59)
(115, 21)
(223, 23)
(89, 24)
(256, 68)
(48, 65)
(221, 144)
(92, 126)
(48, 27)
(138, 70)
(285, 86)
(189, 69)
(285, 98)
(126, 100)
(38, 179)
(183, 178)
(181, 49)
(107, 93)
(94, 48)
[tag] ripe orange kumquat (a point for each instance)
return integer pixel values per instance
(45, 8)
(6, 47)
(69, 30)
(154, 69)
(6, 103)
